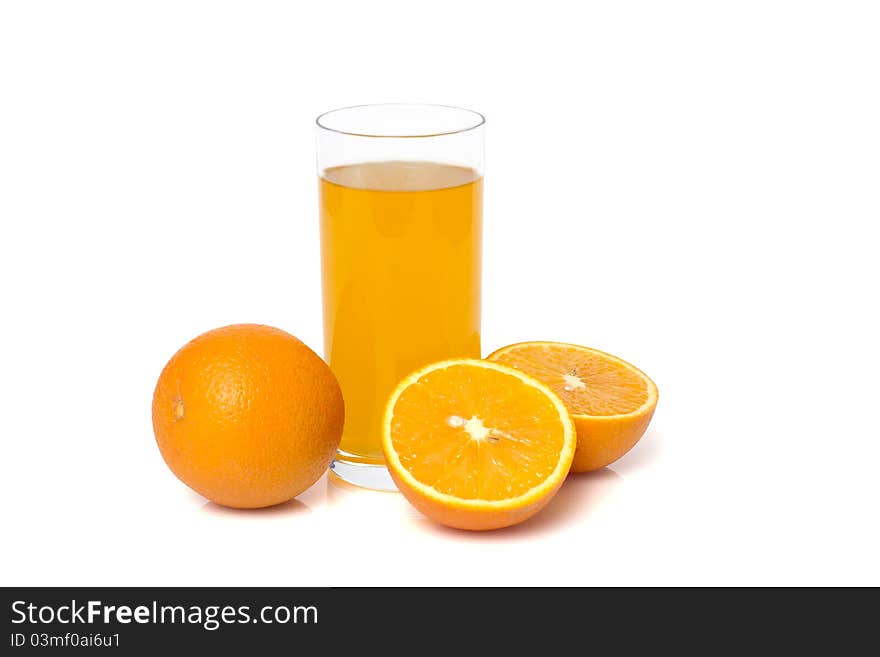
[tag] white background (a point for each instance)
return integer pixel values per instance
(690, 185)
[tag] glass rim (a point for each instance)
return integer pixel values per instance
(479, 120)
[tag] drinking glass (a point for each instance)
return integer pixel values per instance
(401, 196)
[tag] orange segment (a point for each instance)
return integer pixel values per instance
(610, 400)
(476, 445)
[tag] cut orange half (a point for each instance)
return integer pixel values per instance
(476, 445)
(610, 401)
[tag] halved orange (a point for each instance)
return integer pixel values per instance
(610, 401)
(476, 445)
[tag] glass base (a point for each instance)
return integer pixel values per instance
(364, 475)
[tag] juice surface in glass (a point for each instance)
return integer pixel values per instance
(400, 252)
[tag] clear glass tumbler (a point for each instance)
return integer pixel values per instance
(401, 196)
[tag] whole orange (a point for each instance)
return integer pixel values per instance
(247, 415)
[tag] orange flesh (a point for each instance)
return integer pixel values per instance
(477, 433)
(589, 383)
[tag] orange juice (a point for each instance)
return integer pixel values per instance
(400, 252)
